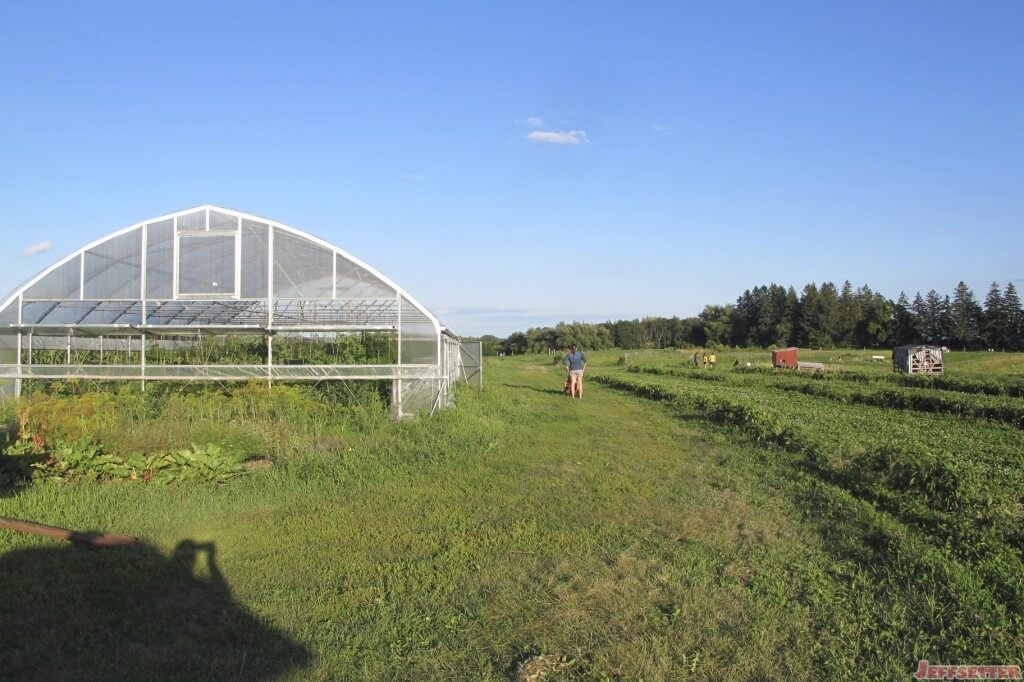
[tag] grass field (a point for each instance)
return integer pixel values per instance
(672, 524)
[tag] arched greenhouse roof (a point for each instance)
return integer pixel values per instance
(212, 267)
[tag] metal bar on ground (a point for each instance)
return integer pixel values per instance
(93, 539)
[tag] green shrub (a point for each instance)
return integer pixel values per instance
(247, 419)
(86, 460)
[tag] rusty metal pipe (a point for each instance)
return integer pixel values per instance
(92, 539)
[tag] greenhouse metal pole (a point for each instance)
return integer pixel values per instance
(480, 371)
(270, 307)
(29, 352)
(270, 276)
(270, 360)
(17, 382)
(142, 357)
(143, 259)
(396, 391)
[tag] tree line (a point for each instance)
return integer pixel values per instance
(820, 316)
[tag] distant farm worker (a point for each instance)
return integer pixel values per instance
(567, 389)
(704, 360)
(696, 359)
(713, 359)
(575, 361)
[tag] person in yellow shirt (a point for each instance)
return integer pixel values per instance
(713, 360)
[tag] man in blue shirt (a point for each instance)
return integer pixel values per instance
(575, 362)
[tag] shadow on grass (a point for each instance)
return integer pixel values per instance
(554, 391)
(70, 612)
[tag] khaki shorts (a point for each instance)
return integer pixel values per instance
(576, 372)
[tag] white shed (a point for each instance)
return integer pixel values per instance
(917, 359)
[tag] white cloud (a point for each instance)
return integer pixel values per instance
(558, 137)
(534, 121)
(41, 247)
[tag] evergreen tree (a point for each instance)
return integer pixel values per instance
(745, 316)
(946, 319)
(846, 316)
(965, 318)
(812, 318)
(993, 325)
(904, 326)
(776, 327)
(793, 310)
(882, 314)
(828, 302)
(934, 318)
(1013, 319)
(807, 307)
(920, 314)
(819, 317)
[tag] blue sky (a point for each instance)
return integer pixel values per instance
(513, 165)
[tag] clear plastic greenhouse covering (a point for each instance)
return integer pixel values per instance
(115, 308)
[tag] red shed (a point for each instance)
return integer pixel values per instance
(784, 357)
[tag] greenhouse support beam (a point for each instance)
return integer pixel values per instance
(142, 360)
(17, 382)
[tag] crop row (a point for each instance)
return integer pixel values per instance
(1010, 387)
(972, 406)
(968, 476)
(931, 504)
(1008, 410)
(955, 464)
(1001, 385)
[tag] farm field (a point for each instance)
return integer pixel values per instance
(970, 364)
(676, 523)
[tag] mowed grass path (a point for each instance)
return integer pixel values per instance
(608, 535)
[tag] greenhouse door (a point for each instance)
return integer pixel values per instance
(472, 363)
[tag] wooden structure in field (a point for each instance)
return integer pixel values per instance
(917, 359)
(784, 357)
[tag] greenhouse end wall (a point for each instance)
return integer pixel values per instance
(211, 272)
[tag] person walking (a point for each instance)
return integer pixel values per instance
(712, 359)
(575, 362)
(567, 389)
(704, 360)
(696, 359)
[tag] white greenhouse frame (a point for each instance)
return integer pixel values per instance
(134, 299)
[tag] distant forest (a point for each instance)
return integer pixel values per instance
(822, 316)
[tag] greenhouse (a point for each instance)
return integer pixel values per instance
(211, 294)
